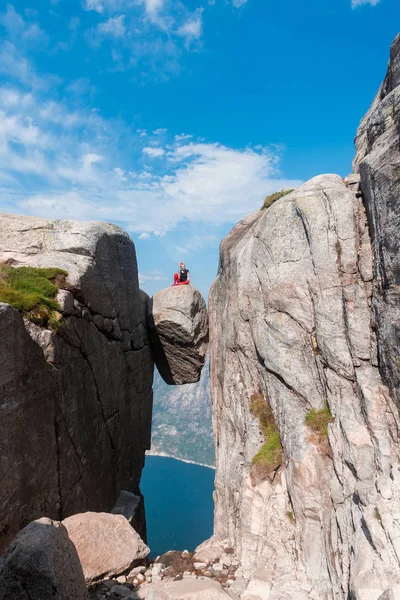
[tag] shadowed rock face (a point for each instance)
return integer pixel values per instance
(290, 332)
(75, 406)
(178, 326)
(378, 162)
(42, 564)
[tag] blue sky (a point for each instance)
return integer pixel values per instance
(174, 118)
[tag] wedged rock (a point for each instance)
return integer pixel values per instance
(291, 335)
(75, 406)
(378, 163)
(187, 589)
(127, 505)
(107, 545)
(41, 563)
(178, 324)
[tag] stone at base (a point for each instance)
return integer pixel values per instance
(41, 563)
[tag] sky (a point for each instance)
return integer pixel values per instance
(175, 118)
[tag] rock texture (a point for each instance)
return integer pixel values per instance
(187, 589)
(291, 328)
(378, 162)
(179, 333)
(107, 545)
(75, 406)
(42, 564)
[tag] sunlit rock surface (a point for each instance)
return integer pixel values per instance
(291, 332)
(107, 545)
(378, 162)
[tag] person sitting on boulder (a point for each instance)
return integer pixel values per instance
(182, 276)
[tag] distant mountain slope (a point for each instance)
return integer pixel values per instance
(182, 425)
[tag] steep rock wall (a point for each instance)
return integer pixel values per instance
(75, 406)
(290, 326)
(378, 161)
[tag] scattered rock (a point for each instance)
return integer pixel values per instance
(106, 544)
(187, 589)
(178, 326)
(136, 571)
(120, 590)
(41, 563)
(199, 566)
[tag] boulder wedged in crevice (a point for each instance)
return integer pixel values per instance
(178, 328)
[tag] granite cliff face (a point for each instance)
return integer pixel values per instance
(307, 442)
(378, 162)
(75, 406)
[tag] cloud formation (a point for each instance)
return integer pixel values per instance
(355, 3)
(114, 26)
(61, 160)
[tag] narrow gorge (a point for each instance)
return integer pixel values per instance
(303, 335)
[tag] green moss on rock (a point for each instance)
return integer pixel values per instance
(32, 291)
(318, 421)
(270, 456)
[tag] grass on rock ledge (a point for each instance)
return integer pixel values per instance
(32, 291)
(269, 458)
(318, 421)
(269, 200)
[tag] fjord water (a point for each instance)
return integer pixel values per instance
(179, 505)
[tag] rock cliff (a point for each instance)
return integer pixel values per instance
(75, 405)
(307, 482)
(378, 162)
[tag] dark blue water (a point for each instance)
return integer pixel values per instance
(179, 505)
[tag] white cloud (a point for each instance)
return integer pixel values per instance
(96, 5)
(62, 162)
(151, 276)
(238, 3)
(193, 27)
(12, 21)
(120, 173)
(182, 136)
(154, 152)
(21, 31)
(355, 3)
(160, 131)
(153, 7)
(144, 236)
(114, 27)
